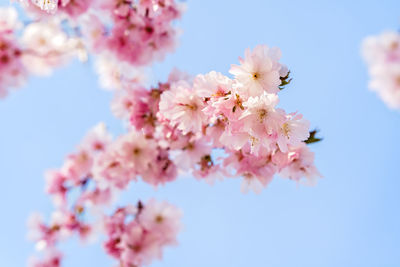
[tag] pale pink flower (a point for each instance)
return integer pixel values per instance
(212, 85)
(192, 152)
(143, 239)
(124, 102)
(51, 259)
(39, 9)
(93, 32)
(136, 151)
(301, 165)
(139, 246)
(97, 139)
(382, 48)
(160, 171)
(382, 54)
(260, 71)
(262, 121)
(182, 107)
(116, 74)
(161, 218)
(177, 75)
(49, 6)
(95, 198)
(46, 236)
(8, 20)
(46, 46)
(74, 8)
(207, 170)
(293, 131)
(114, 227)
(385, 80)
(56, 185)
(12, 72)
(169, 137)
(77, 166)
(109, 169)
(256, 170)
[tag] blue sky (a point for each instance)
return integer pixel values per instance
(350, 218)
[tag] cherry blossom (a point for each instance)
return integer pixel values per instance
(382, 54)
(210, 126)
(124, 37)
(260, 70)
(51, 259)
(13, 73)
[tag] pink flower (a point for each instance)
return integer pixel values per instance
(47, 46)
(74, 8)
(97, 139)
(115, 74)
(109, 169)
(77, 166)
(386, 81)
(301, 165)
(95, 198)
(206, 169)
(260, 71)
(137, 236)
(56, 185)
(182, 107)
(115, 227)
(49, 6)
(262, 121)
(8, 19)
(382, 48)
(382, 54)
(52, 259)
(136, 151)
(192, 152)
(93, 32)
(124, 102)
(139, 247)
(144, 109)
(162, 170)
(293, 132)
(212, 85)
(256, 170)
(12, 72)
(161, 218)
(46, 236)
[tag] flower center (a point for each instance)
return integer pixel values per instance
(286, 129)
(192, 106)
(136, 151)
(398, 80)
(262, 114)
(394, 45)
(159, 219)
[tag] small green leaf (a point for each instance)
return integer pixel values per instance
(285, 81)
(312, 139)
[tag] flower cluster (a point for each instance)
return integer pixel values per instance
(211, 125)
(136, 32)
(37, 49)
(131, 33)
(214, 126)
(94, 174)
(137, 236)
(382, 54)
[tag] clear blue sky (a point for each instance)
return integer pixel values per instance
(351, 218)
